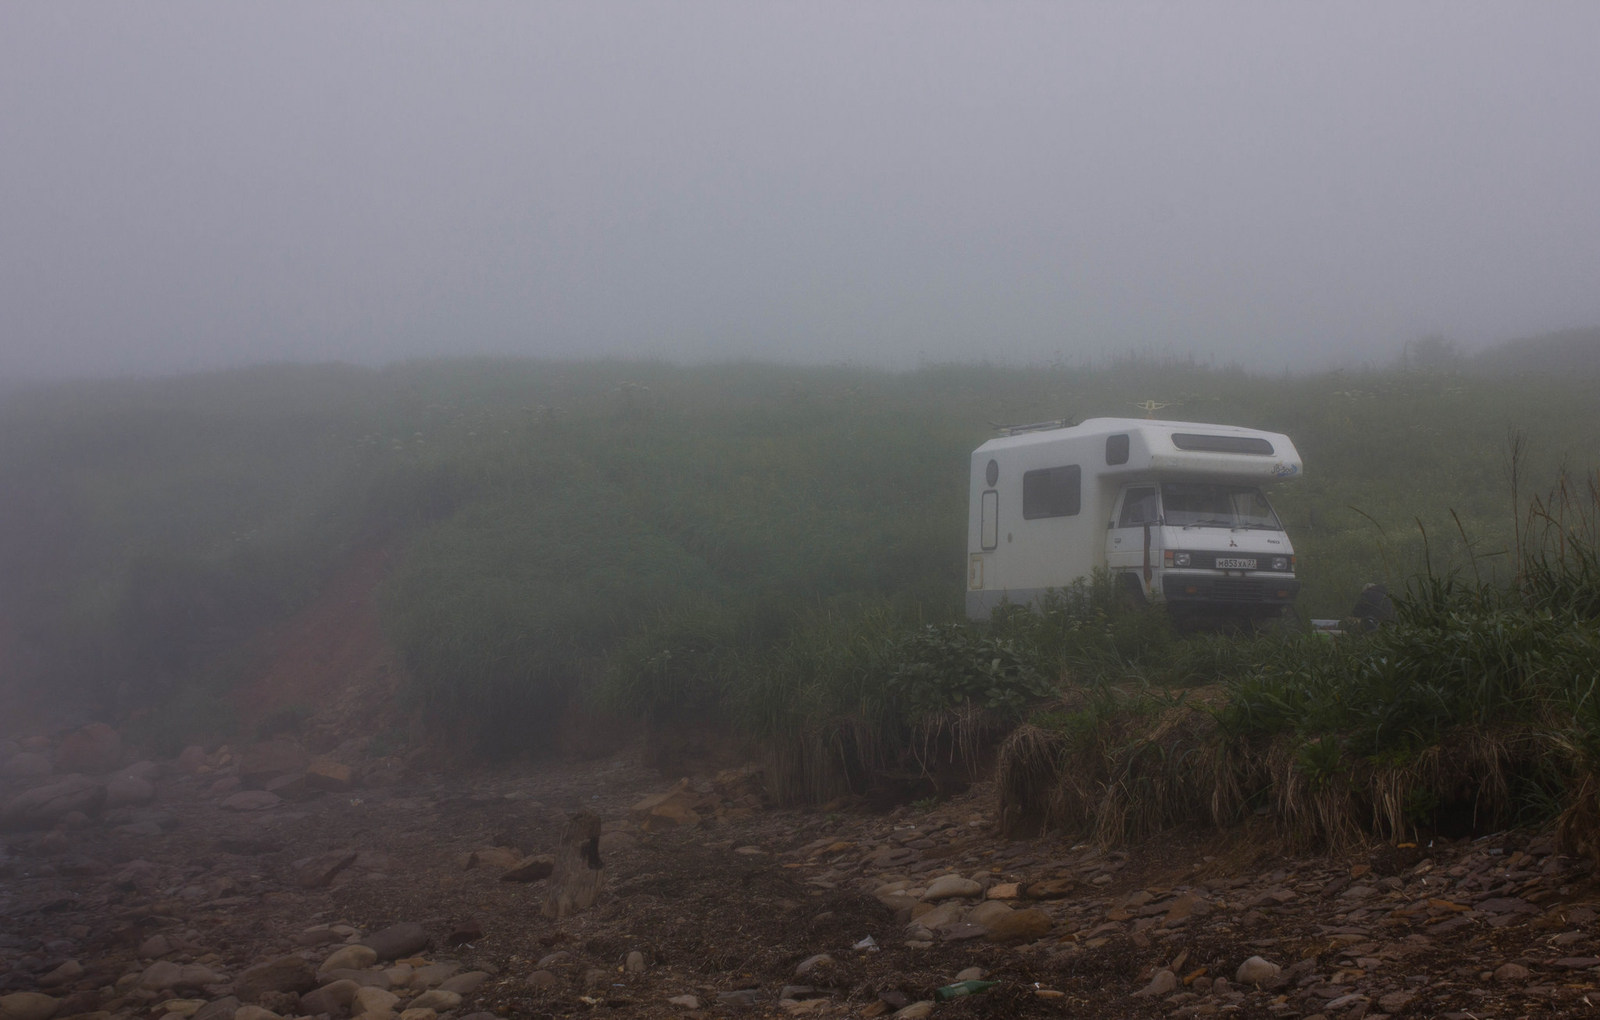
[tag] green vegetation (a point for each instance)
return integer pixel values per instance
(1474, 710)
(779, 551)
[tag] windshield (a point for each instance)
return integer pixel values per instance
(1217, 505)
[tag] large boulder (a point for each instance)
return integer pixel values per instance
(26, 765)
(284, 974)
(398, 940)
(43, 806)
(94, 749)
(125, 790)
(272, 759)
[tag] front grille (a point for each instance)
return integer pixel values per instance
(1228, 590)
(1234, 590)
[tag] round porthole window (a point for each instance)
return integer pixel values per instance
(991, 474)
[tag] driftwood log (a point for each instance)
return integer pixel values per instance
(576, 879)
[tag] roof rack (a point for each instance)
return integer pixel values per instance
(1038, 426)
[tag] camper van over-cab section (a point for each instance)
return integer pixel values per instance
(1173, 510)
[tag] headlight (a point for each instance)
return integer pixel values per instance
(1180, 559)
(1280, 563)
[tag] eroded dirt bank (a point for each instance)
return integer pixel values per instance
(203, 893)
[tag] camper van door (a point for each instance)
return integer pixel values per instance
(1134, 538)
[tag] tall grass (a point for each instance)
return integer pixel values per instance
(1474, 710)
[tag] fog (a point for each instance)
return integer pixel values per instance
(192, 185)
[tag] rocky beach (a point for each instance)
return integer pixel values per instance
(245, 883)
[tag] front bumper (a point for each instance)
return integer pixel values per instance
(1211, 588)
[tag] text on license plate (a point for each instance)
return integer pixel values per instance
(1226, 563)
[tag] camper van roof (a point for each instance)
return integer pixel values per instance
(1047, 432)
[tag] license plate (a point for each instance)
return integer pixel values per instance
(1224, 563)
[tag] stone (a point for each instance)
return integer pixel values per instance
(253, 1012)
(355, 957)
(1021, 926)
(812, 963)
(328, 776)
(270, 759)
(1395, 1002)
(497, 858)
(1511, 972)
(433, 975)
(398, 940)
(988, 912)
(165, 975)
(27, 765)
(45, 805)
(635, 963)
(284, 974)
(1052, 889)
(1165, 982)
(94, 749)
(679, 806)
(193, 760)
(28, 1006)
(1256, 971)
(530, 869)
(376, 1001)
(915, 1011)
(155, 946)
(251, 800)
(686, 1001)
(436, 999)
(220, 1009)
(293, 788)
(465, 984)
(543, 980)
(951, 887)
(418, 1013)
(67, 972)
(128, 791)
(318, 872)
(332, 998)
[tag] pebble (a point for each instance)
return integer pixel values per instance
(28, 1006)
(812, 963)
(950, 887)
(283, 974)
(374, 1000)
(1165, 982)
(398, 940)
(436, 999)
(354, 957)
(1256, 971)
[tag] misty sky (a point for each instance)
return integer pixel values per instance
(188, 185)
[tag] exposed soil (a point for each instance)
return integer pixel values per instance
(327, 668)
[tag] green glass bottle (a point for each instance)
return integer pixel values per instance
(961, 988)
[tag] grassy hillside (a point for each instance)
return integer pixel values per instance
(726, 539)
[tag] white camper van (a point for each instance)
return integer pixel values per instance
(1174, 510)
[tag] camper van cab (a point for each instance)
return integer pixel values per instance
(1174, 510)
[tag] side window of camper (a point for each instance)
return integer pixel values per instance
(1138, 507)
(1051, 492)
(1117, 448)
